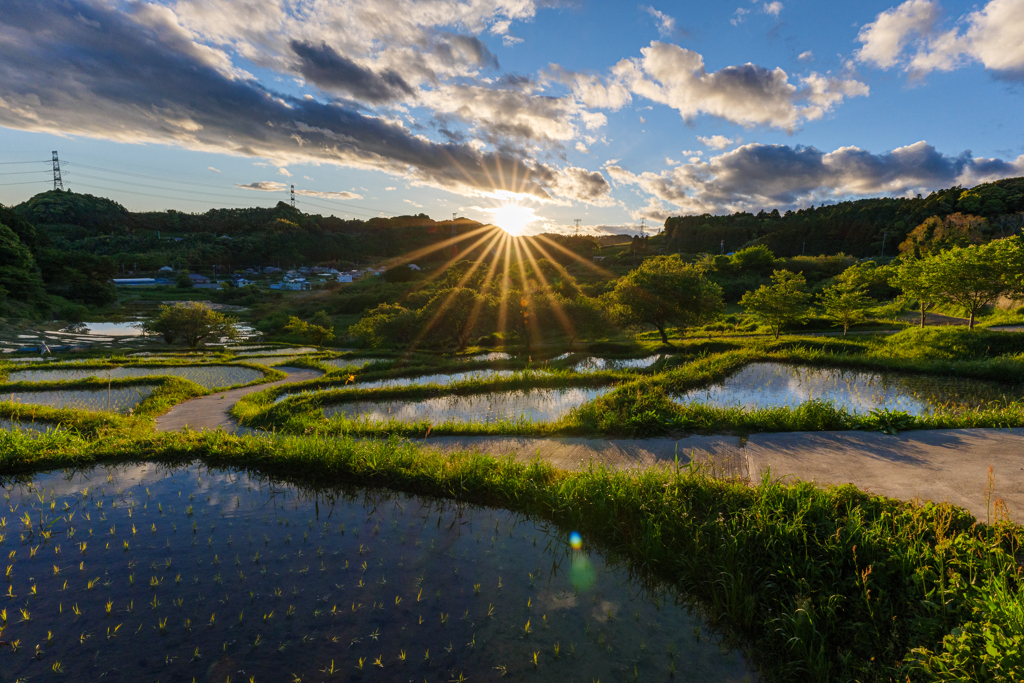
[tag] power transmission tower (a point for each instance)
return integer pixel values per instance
(643, 227)
(293, 196)
(58, 184)
(455, 245)
(577, 227)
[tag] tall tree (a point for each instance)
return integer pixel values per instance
(782, 302)
(973, 277)
(846, 303)
(665, 291)
(912, 277)
(191, 321)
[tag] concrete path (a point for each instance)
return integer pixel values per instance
(211, 412)
(937, 465)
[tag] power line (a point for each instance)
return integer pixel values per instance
(160, 196)
(24, 172)
(157, 187)
(306, 202)
(27, 182)
(8, 163)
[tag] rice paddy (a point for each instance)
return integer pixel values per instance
(208, 376)
(352, 363)
(771, 385)
(528, 405)
(115, 399)
(278, 352)
(140, 572)
(592, 364)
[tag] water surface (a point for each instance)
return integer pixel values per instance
(191, 573)
(208, 376)
(115, 399)
(767, 385)
(531, 405)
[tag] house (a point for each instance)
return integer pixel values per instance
(134, 281)
(198, 279)
(600, 258)
(413, 266)
(292, 286)
(167, 269)
(344, 277)
(242, 282)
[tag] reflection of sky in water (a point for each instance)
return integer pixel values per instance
(487, 357)
(119, 399)
(408, 381)
(537, 405)
(592, 364)
(246, 569)
(208, 376)
(34, 427)
(278, 352)
(767, 385)
(349, 362)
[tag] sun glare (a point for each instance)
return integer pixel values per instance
(513, 218)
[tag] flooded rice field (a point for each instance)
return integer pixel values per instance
(115, 399)
(353, 363)
(143, 573)
(530, 405)
(767, 385)
(208, 376)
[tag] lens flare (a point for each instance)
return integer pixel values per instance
(575, 540)
(512, 217)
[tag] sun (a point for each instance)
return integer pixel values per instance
(512, 217)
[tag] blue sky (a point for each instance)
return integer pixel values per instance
(606, 112)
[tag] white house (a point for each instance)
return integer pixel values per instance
(344, 277)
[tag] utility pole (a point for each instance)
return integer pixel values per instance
(293, 196)
(58, 184)
(722, 248)
(884, 235)
(803, 249)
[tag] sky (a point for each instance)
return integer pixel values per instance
(533, 112)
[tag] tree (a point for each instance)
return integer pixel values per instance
(665, 291)
(912, 278)
(387, 325)
(973, 277)
(315, 334)
(182, 279)
(780, 303)
(936, 234)
(191, 322)
(586, 317)
(846, 303)
(455, 315)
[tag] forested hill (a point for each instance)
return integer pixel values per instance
(235, 238)
(856, 227)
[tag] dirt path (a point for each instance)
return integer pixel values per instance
(937, 465)
(211, 412)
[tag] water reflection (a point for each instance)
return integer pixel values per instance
(536, 405)
(767, 385)
(191, 573)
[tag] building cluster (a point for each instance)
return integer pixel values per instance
(296, 279)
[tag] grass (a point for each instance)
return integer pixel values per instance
(818, 585)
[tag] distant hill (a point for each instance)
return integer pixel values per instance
(231, 238)
(855, 227)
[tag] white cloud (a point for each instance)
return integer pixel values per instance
(772, 8)
(580, 147)
(715, 141)
(343, 195)
(746, 94)
(885, 38)
(213, 169)
(416, 204)
(669, 161)
(666, 24)
(806, 56)
(264, 186)
(284, 172)
(390, 189)
(738, 16)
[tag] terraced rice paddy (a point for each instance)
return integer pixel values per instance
(279, 352)
(141, 573)
(116, 399)
(268, 361)
(592, 364)
(529, 405)
(411, 381)
(208, 376)
(348, 362)
(765, 385)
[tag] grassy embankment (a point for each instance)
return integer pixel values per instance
(816, 585)
(641, 404)
(168, 392)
